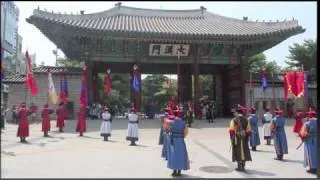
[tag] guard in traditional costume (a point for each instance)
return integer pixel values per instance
(178, 159)
(254, 138)
(240, 131)
(61, 115)
(308, 135)
(298, 123)
(279, 135)
(189, 117)
(23, 128)
(2, 117)
(133, 129)
(45, 114)
(81, 125)
(266, 120)
(162, 119)
(105, 130)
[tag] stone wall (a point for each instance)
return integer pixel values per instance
(18, 92)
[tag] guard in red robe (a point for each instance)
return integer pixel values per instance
(45, 114)
(23, 128)
(298, 123)
(61, 114)
(81, 125)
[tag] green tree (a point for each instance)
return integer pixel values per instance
(119, 97)
(259, 61)
(304, 54)
(66, 62)
(153, 90)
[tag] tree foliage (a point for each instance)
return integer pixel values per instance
(66, 62)
(304, 54)
(119, 98)
(154, 90)
(257, 62)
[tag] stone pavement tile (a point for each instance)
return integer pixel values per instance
(66, 155)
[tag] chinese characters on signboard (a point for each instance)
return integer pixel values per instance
(168, 50)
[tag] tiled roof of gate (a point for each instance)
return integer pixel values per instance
(182, 22)
(43, 69)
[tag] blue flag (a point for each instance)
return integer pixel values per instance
(136, 81)
(264, 83)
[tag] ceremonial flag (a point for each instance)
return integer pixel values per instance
(30, 80)
(1, 73)
(107, 83)
(136, 79)
(63, 86)
(285, 86)
(295, 81)
(306, 88)
(83, 91)
(264, 79)
(52, 92)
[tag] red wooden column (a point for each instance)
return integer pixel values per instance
(196, 79)
(89, 66)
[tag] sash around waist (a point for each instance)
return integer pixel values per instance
(107, 120)
(176, 135)
(133, 122)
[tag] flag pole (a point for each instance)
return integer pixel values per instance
(273, 89)
(306, 87)
(251, 94)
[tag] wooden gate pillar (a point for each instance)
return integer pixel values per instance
(89, 66)
(196, 80)
(185, 85)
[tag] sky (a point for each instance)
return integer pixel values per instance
(304, 12)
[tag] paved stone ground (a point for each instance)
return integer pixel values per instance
(66, 155)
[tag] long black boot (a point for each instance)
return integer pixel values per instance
(268, 141)
(281, 157)
(239, 166)
(60, 130)
(21, 139)
(174, 173)
(254, 148)
(105, 138)
(24, 140)
(46, 134)
(132, 143)
(312, 170)
(243, 165)
(179, 173)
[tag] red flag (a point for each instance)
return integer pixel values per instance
(30, 80)
(83, 91)
(107, 83)
(295, 82)
(63, 86)
(285, 87)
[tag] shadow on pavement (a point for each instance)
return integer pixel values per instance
(263, 151)
(186, 176)
(293, 161)
(260, 173)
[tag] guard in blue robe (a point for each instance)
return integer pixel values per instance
(279, 134)
(254, 138)
(166, 137)
(178, 159)
(308, 135)
(162, 117)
